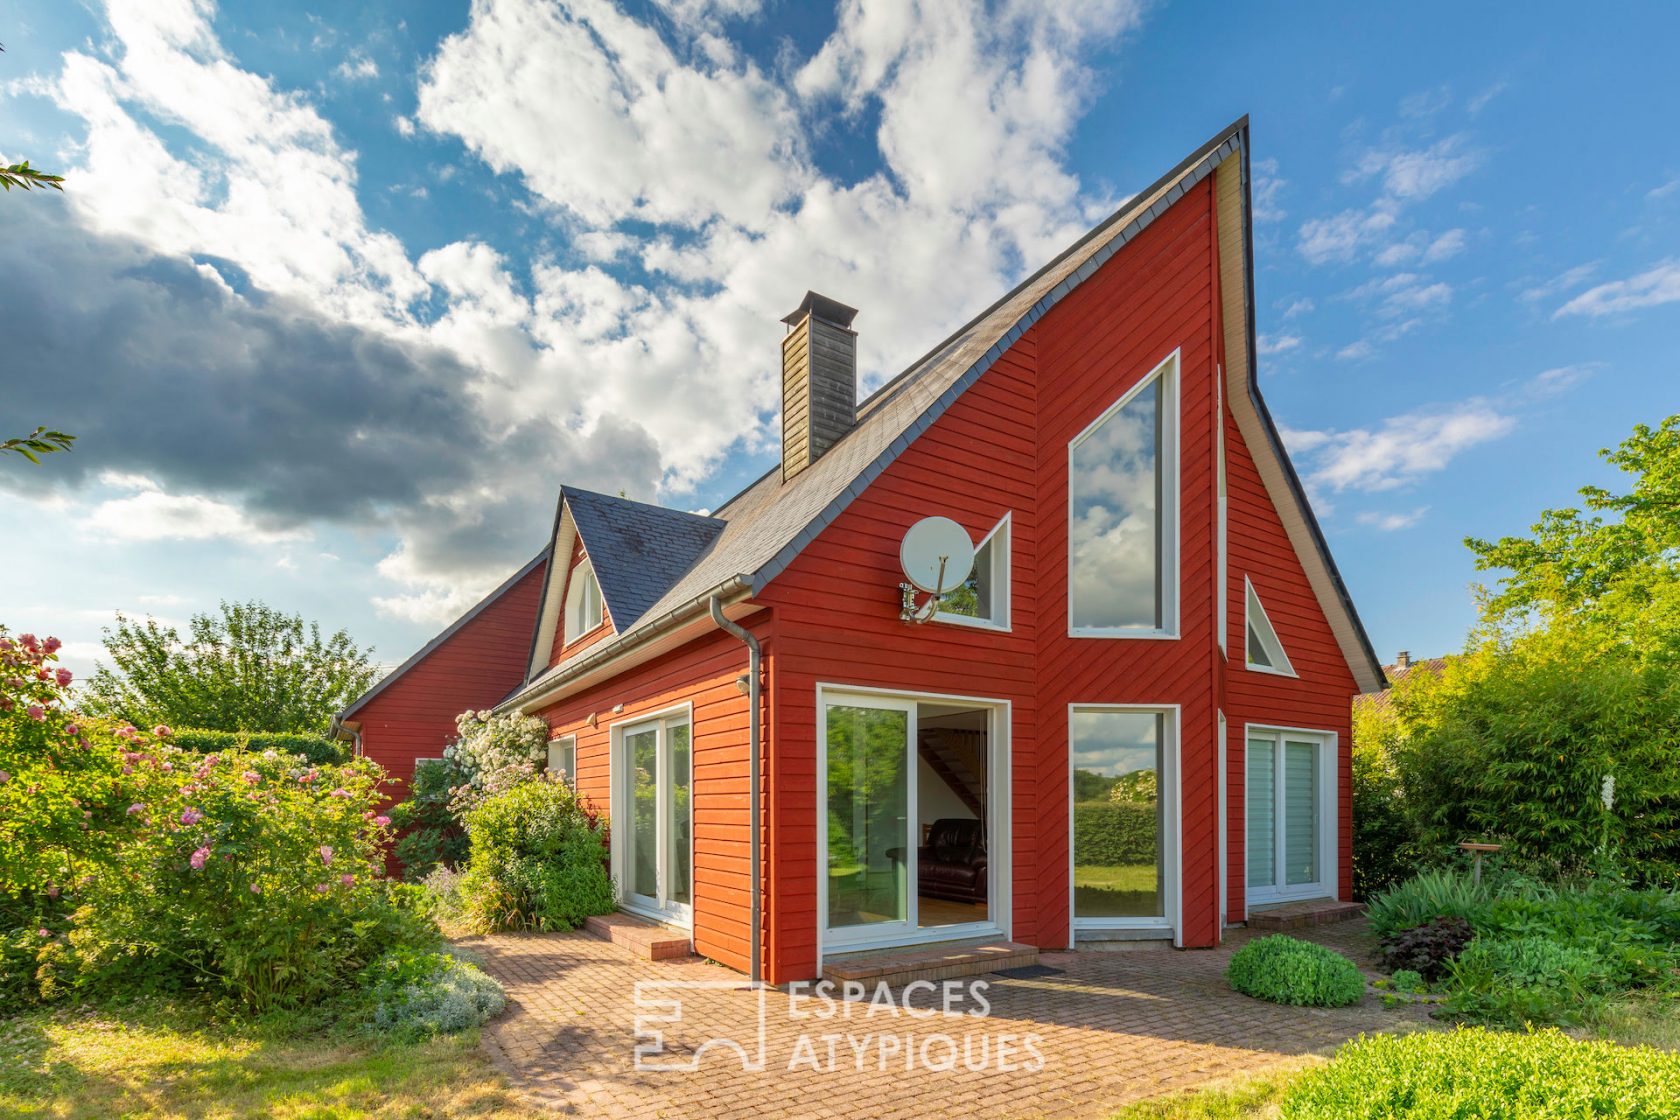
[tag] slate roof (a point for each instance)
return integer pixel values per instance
(769, 523)
(638, 550)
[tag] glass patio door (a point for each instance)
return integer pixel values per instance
(657, 816)
(1286, 817)
(869, 856)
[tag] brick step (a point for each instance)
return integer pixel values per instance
(943, 960)
(648, 940)
(1300, 915)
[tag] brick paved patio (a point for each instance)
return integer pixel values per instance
(1113, 1027)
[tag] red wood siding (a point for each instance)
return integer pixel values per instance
(475, 667)
(1321, 698)
(702, 674)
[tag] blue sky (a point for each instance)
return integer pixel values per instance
(338, 295)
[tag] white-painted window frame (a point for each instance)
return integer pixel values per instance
(1169, 368)
(564, 742)
(1328, 884)
(1221, 604)
(1251, 599)
(999, 831)
(1173, 832)
(1001, 534)
(573, 629)
(675, 914)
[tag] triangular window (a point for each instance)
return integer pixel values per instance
(583, 603)
(1265, 652)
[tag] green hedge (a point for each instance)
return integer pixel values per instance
(1488, 1075)
(1112, 833)
(1283, 970)
(315, 748)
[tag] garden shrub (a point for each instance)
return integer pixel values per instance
(1282, 969)
(493, 753)
(414, 994)
(1473, 1074)
(1115, 833)
(1526, 980)
(1427, 949)
(538, 860)
(1383, 851)
(317, 749)
(430, 835)
(1431, 894)
(252, 874)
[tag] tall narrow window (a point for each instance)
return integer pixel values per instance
(983, 599)
(1122, 514)
(1265, 651)
(583, 602)
(562, 758)
(1122, 828)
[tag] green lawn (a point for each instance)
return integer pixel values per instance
(176, 1062)
(1127, 888)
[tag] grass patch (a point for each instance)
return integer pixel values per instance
(1116, 888)
(177, 1061)
(1249, 1098)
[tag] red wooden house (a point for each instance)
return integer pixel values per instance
(1131, 721)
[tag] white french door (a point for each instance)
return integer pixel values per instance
(867, 824)
(1291, 797)
(653, 817)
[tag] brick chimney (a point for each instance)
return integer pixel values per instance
(819, 380)
(1403, 660)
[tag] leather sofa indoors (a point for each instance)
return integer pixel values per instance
(952, 864)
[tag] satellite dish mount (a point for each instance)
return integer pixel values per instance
(937, 557)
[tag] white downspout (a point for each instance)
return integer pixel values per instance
(754, 654)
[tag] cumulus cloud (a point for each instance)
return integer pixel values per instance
(150, 514)
(1651, 288)
(302, 366)
(1277, 343)
(1392, 522)
(1399, 451)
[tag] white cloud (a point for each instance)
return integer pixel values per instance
(1404, 293)
(1341, 236)
(1392, 522)
(1664, 190)
(1267, 186)
(1651, 288)
(1415, 174)
(150, 514)
(1399, 451)
(358, 67)
(1298, 306)
(1562, 282)
(1444, 247)
(1551, 382)
(403, 125)
(1277, 343)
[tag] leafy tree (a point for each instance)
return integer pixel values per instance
(251, 668)
(37, 443)
(1621, 575)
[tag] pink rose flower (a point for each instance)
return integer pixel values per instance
(44, 932)
(65, 676)
(72, 729)
(199, 857)
(339, 793)
(326, 855)
(347, 878)
(255, 889)
(29, 642)
(127, 731)
(52, 645)
(4, 777)
(191, 816)
(322, 888)
(382, 821)
(36, 712)
(137, 807)
(162, 732)
(250, 777)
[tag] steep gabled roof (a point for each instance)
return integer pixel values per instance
(449, 632)
(767, 525)
(637, 550)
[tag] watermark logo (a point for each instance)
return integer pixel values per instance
(921, 1027)
(660, 1010)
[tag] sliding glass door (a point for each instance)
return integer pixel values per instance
(1290, 823)
(1124, 835)
(870, 789)
(655, 817)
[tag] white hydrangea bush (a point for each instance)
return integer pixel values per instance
(492, 753)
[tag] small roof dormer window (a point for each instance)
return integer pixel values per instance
(584, 611)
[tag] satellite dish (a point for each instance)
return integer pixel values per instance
(936, 555)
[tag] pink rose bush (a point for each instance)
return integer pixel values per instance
(147, 863)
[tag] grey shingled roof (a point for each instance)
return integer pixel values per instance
(769, 523)
(637, 550)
